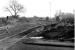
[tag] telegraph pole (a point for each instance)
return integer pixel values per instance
(50, 8)
(74, 15)
(74, 21)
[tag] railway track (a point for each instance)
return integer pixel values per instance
(11, 40)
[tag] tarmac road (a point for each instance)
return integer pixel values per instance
(21, 46)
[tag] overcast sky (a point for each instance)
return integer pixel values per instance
(40, 7)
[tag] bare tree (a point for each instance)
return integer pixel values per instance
(15, 8)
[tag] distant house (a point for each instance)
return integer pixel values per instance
(2, 21)
(65, 17)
